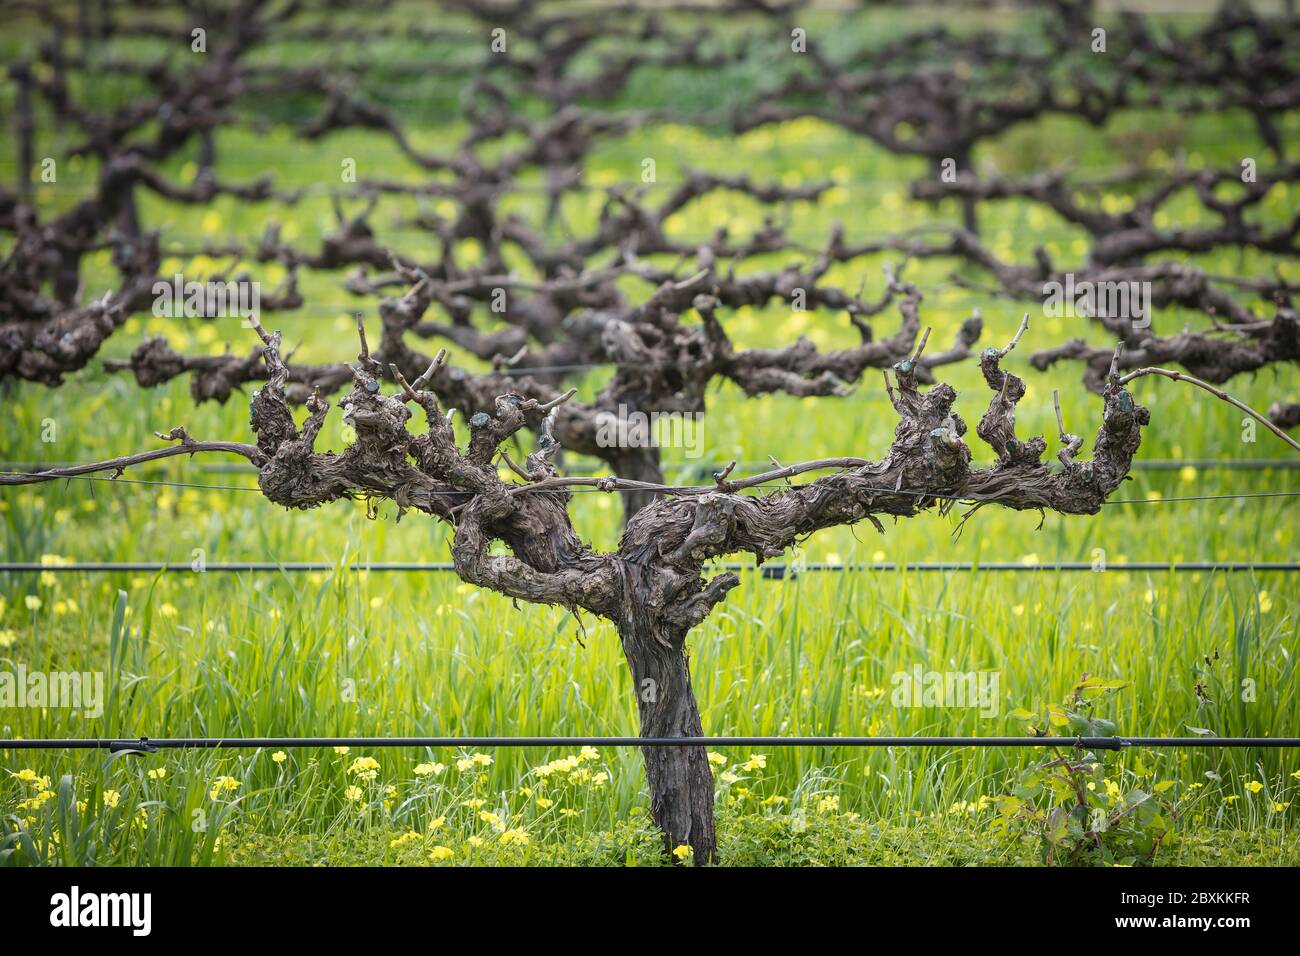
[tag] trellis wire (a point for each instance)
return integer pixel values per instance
(685, 489)
(688, 489)
(770, 571)
(1152, 464)
(150, 745)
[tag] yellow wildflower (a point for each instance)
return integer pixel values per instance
(221, 784)
(515, 835)
(364, 768)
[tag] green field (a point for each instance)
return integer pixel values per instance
(343, 653)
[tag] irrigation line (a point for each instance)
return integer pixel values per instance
(768, 571)
(150, 745)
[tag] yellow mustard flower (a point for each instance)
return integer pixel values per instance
(222, 784)
(515, 835)
(364, 768)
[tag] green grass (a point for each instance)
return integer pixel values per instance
(347, 654)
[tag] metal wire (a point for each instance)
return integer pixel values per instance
(150, 745)
(1150, 464)
(769, 571)
(1157, 501)
(684, 489)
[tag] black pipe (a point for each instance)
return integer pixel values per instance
(151, 745)
(776, 571)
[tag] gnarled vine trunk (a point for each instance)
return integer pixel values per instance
(680, 779)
